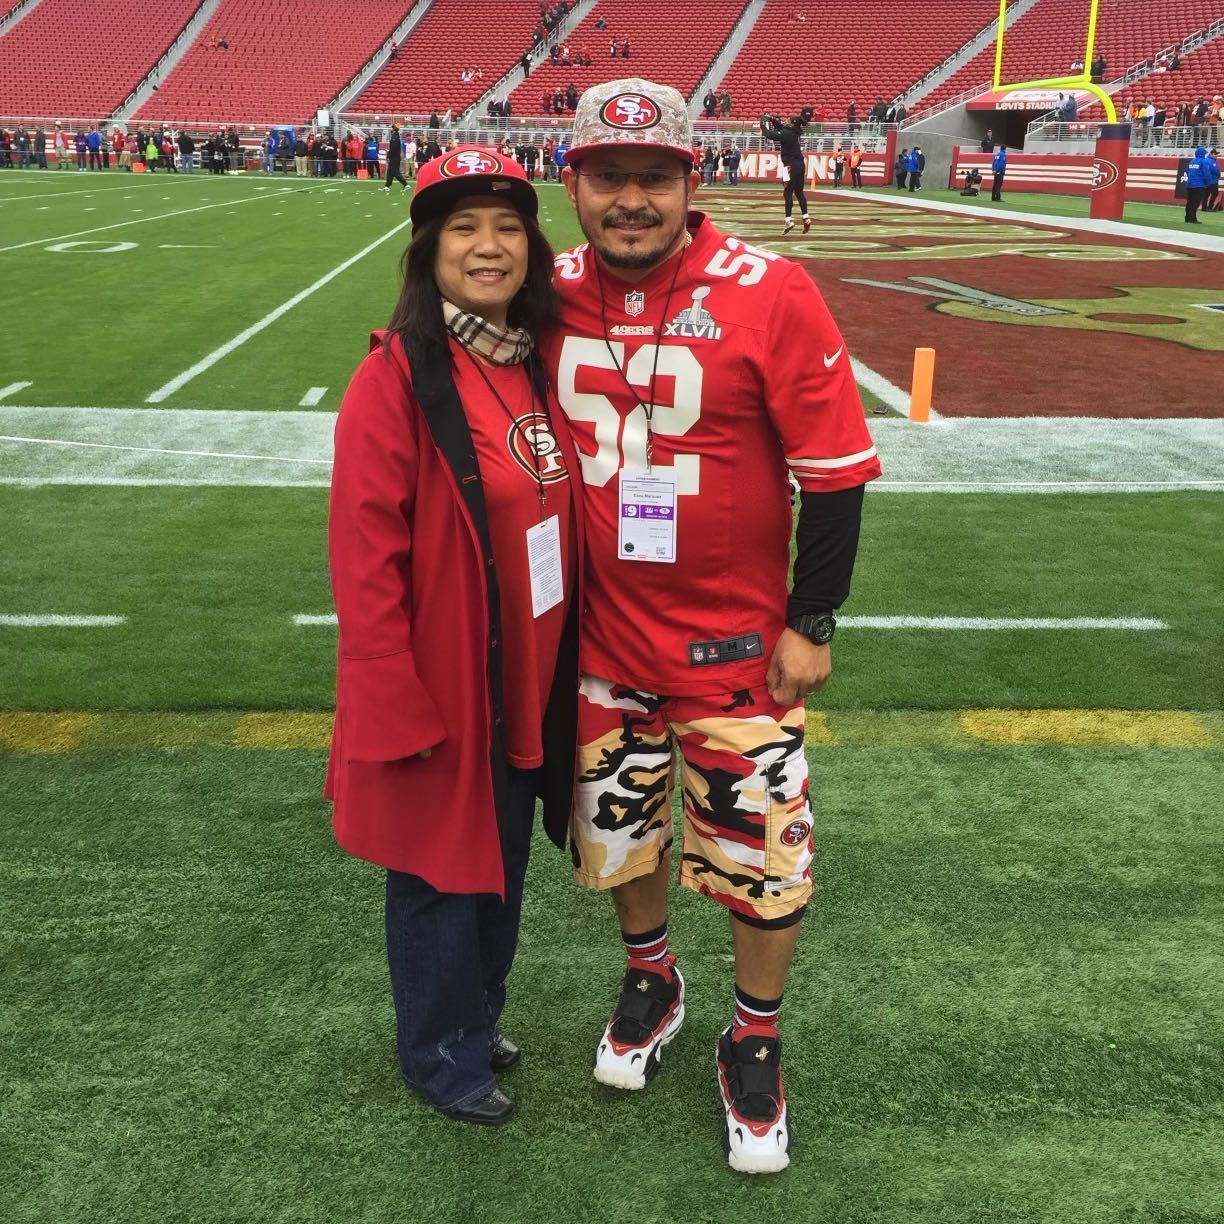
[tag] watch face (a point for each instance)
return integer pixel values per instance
(822, 629)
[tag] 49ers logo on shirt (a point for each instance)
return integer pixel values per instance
(629, 110)
(534, 447)
(470, 161)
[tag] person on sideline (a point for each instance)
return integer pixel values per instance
(999, 167)
(696, 372)
(453, 537)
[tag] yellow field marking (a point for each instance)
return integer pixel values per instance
(964, 730)
(817, 733)
(283, 731)
(42, 732)
(1089, 728)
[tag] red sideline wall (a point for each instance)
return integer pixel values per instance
(1150, 179)
(763, 168)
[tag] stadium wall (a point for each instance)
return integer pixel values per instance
(1152, 180)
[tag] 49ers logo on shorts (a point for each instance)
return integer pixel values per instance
(629, 111)
(470, 161)
(534, 447)
(796, 833)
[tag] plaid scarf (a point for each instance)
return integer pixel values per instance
(501, 346)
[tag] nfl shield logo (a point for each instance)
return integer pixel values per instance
(635, 303)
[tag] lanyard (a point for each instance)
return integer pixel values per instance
(535, 458)
(647, 408)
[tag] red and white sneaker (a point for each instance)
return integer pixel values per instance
(750, 1079)
(787, 226)
(648, 1015)
(807, 224)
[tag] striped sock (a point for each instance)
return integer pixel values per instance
(751, 1010)
(650, 946)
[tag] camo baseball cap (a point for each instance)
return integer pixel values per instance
(631, 111)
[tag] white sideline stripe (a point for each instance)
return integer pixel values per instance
(205, 363)
(312, 397)
(60, 622)
(886, 392)
(1116, 229)
(5, 198)
(180, 212)
(1139, 623)
(156, 482)
(1045, 486)
(157, 450)
(12, 388)
(936, 622)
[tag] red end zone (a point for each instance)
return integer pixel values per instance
(1026, 319)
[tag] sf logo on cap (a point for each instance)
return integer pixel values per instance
(629, 111)
(471, 161)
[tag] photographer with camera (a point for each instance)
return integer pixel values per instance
(790, 152)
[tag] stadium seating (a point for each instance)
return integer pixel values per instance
(285, 59)
(842, 52)
(1201, 75)
(82, 58)
(452, 36)
(657, 50)
(1048, 38)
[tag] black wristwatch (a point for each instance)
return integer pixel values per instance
(817, 627)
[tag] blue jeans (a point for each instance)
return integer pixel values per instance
(450, 955)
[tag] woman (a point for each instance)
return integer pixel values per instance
(453, 542)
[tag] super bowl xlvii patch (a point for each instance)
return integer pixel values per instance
(695, 322)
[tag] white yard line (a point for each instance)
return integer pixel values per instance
(328, 618)
(5, 198)
(181, 380)
(1198, 241)
(159, 450)
(974, 623)
(179, 212)
(60, 622)
(13, 388)
(312, 397)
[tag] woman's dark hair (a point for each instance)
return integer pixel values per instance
(417, 316)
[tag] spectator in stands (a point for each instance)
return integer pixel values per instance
(612, 47)
(1098, 68)
(1215, 117)
(466, 75)
(394, 54)
(999, 167)
(856, 166)
(724, 103)
(890, 113)
(601, 23)
(1077, 65)
(478, 73)
(448, 119)
(558, 101)
(1158, 125)
(554, 55)
(852, 117)
(571, 96)
(901, 168)
(546, 103)
(432, 125)
(709, 103)
(624, 48)
(395, 157)
(1199, 120)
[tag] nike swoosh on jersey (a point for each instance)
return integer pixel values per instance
(830, 358)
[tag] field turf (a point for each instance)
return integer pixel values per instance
(1008, 998)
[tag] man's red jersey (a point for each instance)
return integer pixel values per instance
(752, 379)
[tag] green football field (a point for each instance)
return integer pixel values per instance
(1008, 998)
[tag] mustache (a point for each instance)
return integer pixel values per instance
(641, 216)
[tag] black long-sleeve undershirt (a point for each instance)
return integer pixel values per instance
(826, 543)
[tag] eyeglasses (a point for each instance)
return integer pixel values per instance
(653, 182)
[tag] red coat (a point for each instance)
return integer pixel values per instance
(415, 655)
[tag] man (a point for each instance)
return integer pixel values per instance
(999, 166)
(395, 154)
(709, 103)
(856, 166)
(1211, 199)
(794, 166)
(901, 168)
(839, 165)
(696, 371)
(186, 147)
(1201, 173)
(62, 145)
(917, 164)
(731, 162)
(988, 141)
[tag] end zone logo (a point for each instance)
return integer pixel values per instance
(796, 833)
(1104, 174)
(629, 111)
(471, 161)
(534, 447)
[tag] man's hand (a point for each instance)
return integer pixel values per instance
(798, 667)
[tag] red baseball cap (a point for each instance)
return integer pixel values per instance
(470, 170)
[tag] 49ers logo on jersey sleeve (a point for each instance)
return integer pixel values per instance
(470, 161)
(629, 110)
(534, 447)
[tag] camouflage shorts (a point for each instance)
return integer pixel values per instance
(747, 824)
